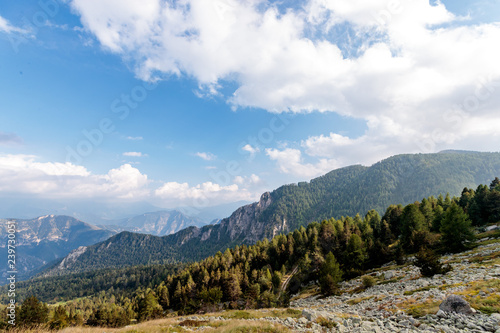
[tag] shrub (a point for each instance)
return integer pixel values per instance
(429, 264)
(368, 281)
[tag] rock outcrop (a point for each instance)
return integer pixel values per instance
(455, 303)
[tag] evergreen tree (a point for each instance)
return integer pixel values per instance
(393, 218)
(163, 296)
(412, 221)
(495, 184)
(478, 210)
(60, 319)
(33, 313)
(148, 307)
(429, 264)
(330, 275)
(276, 280)
(456, 230)
(355, 255)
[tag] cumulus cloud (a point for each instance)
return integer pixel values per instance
(290, 161)
(22, 174)
(134, 154)
(201, 195)
(206, 156)
(422, 78)
(250, 149)
(25, 175)
(251, 180)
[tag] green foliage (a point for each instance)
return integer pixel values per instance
(330, 275)
(429, 264)
(110, 315)
(214, 295)
(456, 230)
(33, 312)
(276, 280)
(368, 281)
(412, 221)
(148, 307)
(251, 276)
(60, 319)
(113, 282)
(347, 191)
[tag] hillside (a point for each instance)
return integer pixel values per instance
(400, 301)
(351, 273)
(347, 191)
(46, 238)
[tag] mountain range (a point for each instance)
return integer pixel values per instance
(44, 239)
(347, 191)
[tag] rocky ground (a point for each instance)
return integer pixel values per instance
(401, 300)
(402, 294)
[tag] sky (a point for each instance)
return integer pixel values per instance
(198, 103)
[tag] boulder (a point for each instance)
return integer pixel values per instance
(455, 303)
(496, 317)
(388, 275)
(310, 314)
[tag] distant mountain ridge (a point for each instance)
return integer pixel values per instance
(46, 238)
(159, 223)
(346, 191)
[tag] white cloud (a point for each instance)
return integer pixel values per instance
(248, 181)
(250, 149)
(290, 161)
(6, 27)
(135, 138)
(22, 174)
(401, 66)
(134, 154)
(201, 195)
(206, 156)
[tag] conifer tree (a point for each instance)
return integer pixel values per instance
(456, 230)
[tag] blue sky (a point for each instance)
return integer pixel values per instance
(219, 101)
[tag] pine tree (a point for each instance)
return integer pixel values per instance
(412, 221)
(456, 230)
(330, 275)
(33, 313)
(163, 296)
(60, 319)
(148, 307)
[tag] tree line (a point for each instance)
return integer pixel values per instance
(335, 249)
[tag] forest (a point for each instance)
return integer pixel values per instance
(253, 276)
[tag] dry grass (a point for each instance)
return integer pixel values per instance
(256, 314)
(411, 292)
(419, 308)
(354, 301)
(490, 302)
(172, 325)
(307, 292)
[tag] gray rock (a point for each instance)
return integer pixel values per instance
(496, 317)
(455, 303)
(309, 314)
(388, 275)
(441, 314)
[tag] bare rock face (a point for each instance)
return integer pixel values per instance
(245, 220)
(455, 303)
